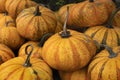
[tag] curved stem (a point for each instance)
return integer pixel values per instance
(91, 0)
(65, 33)
(109, 49)
(110, 21)
(6, 24)
(37, 11)
(27, 62)
(44, 38)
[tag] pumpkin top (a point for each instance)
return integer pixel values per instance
(37, 11)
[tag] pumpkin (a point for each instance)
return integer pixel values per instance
(25, 68)
(37, 47)
(4, 18)
(2, 5)
(34, 22)
(74, 75)
(68, 50)
(89, 13)
(14, 7)
(116, 20)
(106, 34)
(105, 65)
(10, 36)
(62, 15)
(5, 53)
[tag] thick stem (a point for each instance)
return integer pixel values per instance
(27, 62)
(44, 38)
(91, 0)
(110, 21)
(37, 11)
(65, 33)
(110, 51)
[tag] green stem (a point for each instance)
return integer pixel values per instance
(110, 21)
(65, 33)
(110, 51)
(27, 62)
(44, 38)
(37, 11)
(91, 0)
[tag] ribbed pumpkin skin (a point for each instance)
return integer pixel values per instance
(59, 27)
(68, 54)
(36, 52)
(62, 14)
(2, 5)
(102, 34)
(88, 14)
(14, 7)
(34, 27)
(14, 70)
(4, 18)
(10, 37)
(104, 68)
(5, 53)
(75, 75)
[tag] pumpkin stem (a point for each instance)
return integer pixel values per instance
(91, 0)
(6, 13)
(37, 11)
(65, 33)
(109, 49)
(44, 38)
(27, 62)
(7, 23)
(110, 21)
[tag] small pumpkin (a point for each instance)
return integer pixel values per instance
(10, 36)
(68, 50)
(105, 65)
(37, 52)
(2, 5)
(4, 18)
(89, 13)
(25, 68)
(34, 22)
(74, 75)
(106, 34)
(14, 7)
(5, 53)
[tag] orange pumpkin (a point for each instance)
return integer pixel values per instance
(2, 5)
(10, 37)
(106, 34)
(34, 22)
(69, 50)
(75, 75)
(89, 13)
(25, 68)
(105, 65)
(4, 18)
(14, 7)
(5, 53)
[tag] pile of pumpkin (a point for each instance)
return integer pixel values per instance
(34, 40)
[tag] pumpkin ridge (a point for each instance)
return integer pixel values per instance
(101, 70)
(93, 34)
(22, 74)
(75, 56)
(118, 71)
(105, 37)
(118, 39)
